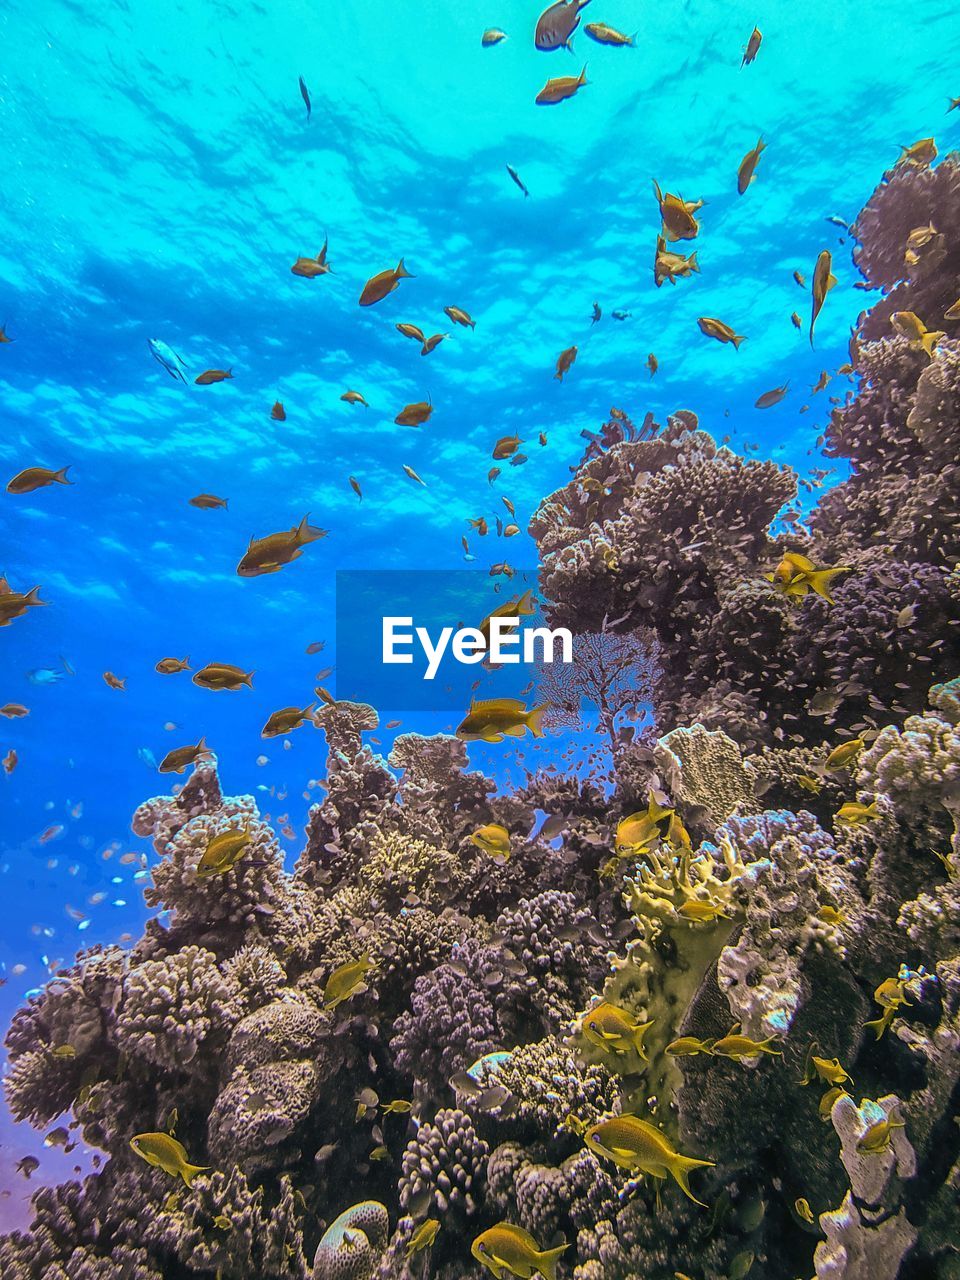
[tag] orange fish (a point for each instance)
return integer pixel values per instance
(14, 710)
(560, 88)
(278, 413)
(411, 331)
(459, 316)
(10, 761)
(222, 675)
(14, 605)
(564, 360)
(208, 502)
(115, 682)
(354, 397)
(180, 758)
(431, 344)
(170, 666)
(271, 553)
(752, 47)
(35, 478)
(384, 282)
(3, 334)
(506, 446)
(210, 376)
(414, 415)
(310, 268)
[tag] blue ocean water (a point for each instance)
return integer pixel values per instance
(161, 175)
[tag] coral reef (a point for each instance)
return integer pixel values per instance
(402, 1042)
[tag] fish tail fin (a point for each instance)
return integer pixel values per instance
(930, 340)
(33, 597)
(230, 372)
(820, 581)
(831, 281)
(695, 265)
(547, 1261)
(248, 678)
(681, 1167)
(402, 273)
(61, 476)
(189, 1171)
(226, 502)
(737, 339)
(535, 719)
(202, 744)
(582, 77)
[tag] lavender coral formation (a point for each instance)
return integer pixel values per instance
(779, 929)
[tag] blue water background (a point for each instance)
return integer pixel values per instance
(159, 177)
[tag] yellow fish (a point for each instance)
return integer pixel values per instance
(876, 1138)
(423, 1237)
(36, 478)
(823, 282)
(752, 47)
(653, 363)
(166, 1153)
(829, 1098)
(603, 34)
(509, 1250)
(953, 312)
(830, 915)
(671, 266)
(676, 214)
(713, 328)
(828, 1070)
(854, 814)
(285, 721)
(795, 575)
(701, 912)
(459, 316)
(222, 675)
(414, 415)
(411, 331)
(919, 154)
(179, 758)
(384, 282)
(614, 1030)
(171, 666)
(739, 1047)
(635, 1145)
(564, 360)
(223, 852)
(803, 1209)
(492, 36)
(270, 554)
(354, 397)
(494, 839)
(911, 327)
(13, 604)
(310, 268)
(494, 718)
(346, 980)
(747, 171)
(689, 1047)
(559, 88)
(844, 755)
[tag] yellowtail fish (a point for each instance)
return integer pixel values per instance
(166, 1153)
(414, 415)
(747, 171)
(689, 1047)
(14, 604)
(828, 1070)
(180, 758)
(222, 675)
(346, 980)
(172, 666)
(603, 34)
(423, 1237)
(823, 282)
(223, 852)
(310, 268)
(492, 36)
(854, 814)
(752, 47)
(919, 154)
(354, 397)
(734, 1045)
(557, 24)
(639, 1147)
(208, 502)
(410, 331)
(491, 720)
(802, 1209)
(702, 912)
(831, 915)
(564, 360)
(559, 88)
(910, 326)
(383, 283)
(459, 316)
(505, 447)
(494, 839)
(431, 343)
(953, 312)
(285, 721)
(676, 214)
(876, 1137)
(714, 328)
(843, 756)
(509, 1250)
(671, 266)
(32, 478)
(522, 606)
(270, 554)
(795, 575)
(614, 1030)
(770, 398)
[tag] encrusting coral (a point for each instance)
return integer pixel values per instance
(710, 944)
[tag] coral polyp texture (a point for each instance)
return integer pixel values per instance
(736, 953)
